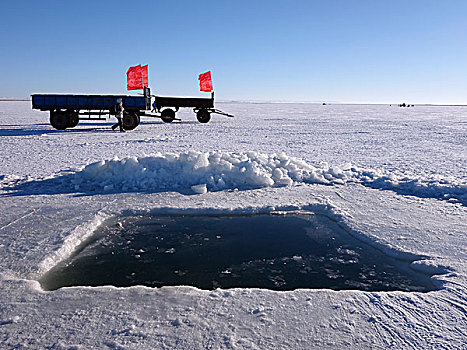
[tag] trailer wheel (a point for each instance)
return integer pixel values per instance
(73, 119)
(59, 120)
(130, 120)
(168, 115)
(203, 116)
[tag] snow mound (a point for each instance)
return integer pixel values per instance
(214, 171)
(434, 186)
(201, 172)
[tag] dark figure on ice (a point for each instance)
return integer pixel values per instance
(119, 115)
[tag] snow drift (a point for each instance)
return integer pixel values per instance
(215, 171)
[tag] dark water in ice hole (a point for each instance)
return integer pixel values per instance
(278, 252)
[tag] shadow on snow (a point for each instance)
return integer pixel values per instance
(83, 127)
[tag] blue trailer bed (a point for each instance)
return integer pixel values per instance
(88, 102)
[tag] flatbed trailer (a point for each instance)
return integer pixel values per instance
(67, 110)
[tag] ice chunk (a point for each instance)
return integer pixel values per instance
(199, 189)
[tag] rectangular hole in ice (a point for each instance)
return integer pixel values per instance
(278, 252)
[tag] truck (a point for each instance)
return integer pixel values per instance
(67, 110)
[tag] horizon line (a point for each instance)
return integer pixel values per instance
(7, 99)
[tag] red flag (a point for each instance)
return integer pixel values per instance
(205, 81)
(134, 79)
(144, 72)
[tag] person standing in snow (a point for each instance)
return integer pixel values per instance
(119, 115)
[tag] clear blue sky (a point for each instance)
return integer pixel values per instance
(334, 50)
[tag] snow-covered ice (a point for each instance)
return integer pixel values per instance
(394, 177)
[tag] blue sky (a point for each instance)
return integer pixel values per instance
(336, 50)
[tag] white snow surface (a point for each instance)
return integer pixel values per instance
(393, 177)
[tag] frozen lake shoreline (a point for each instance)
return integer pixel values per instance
(38, 229)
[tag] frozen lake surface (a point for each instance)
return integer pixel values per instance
(392, 178)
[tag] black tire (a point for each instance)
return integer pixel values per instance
(203, 116)
(168, 115)
(59, 120)
(130, 120)
(73, 119)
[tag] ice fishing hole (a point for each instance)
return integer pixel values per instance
(278, 252)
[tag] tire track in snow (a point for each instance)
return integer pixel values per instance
(407, 321)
